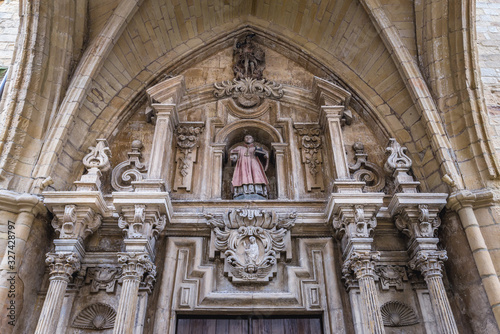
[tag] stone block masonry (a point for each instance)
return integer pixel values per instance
(9, 24)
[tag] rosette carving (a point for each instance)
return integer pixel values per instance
(363, 170)
(129, 170)
(251, 241)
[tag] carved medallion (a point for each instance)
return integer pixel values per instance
(250, 241)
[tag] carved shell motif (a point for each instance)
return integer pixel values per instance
(397, 314)
(96, 316)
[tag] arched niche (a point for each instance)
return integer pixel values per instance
(234, 133)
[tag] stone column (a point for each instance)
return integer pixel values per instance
(62, 266)
(134, 265)
(281, 169)
(430, 264)
(363, 265)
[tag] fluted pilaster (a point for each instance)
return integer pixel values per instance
(430, 264)
(134, 265)
(363, 266)
(62, 266)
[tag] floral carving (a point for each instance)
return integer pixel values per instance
(138, 267)
(355, 223)
(310, 141)
(187, 146)
(129, 170)
(398, 164)
(251, 241)
(365, 171)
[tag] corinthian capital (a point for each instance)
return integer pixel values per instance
(429, 262)
(135, 265)
(362, 263)
(62, 265)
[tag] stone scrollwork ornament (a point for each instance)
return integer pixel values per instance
(187, 149)
(129, 170)
(398, 165)
(248, 87)
(96, 162)
(363, 170)
(251, 241)
(62, 265)
(310, 142)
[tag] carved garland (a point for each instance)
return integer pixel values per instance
(251, 242)
(187, 147)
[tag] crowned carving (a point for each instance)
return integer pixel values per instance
(391, 275)
(398, 314)
(62, 265)
(251, 241)
(74, 222)
(129, 170)
(311, 145)
(102, 278)
(187, 149)
(141, 222)
(363, 170)
(248, 87)
(97, 316)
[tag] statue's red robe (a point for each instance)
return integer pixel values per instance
(248, 168)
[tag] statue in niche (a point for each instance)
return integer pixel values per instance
(249, 178)
(251, 252)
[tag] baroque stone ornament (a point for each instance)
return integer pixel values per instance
(102, 278)
(363, 170)
(355, 223)
(251, 241)
(391, 276)
(97, 316)
(311, 145)
(138, 267)
(141, 223)
(75, 222)
(398, 314)
(248, 92)
(187, 149)
(96, 162)
(129, 170)
(398, 164)
(423, 226)
(250, 59)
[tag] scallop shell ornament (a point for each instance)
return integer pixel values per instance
(397, 314)
(96, 316)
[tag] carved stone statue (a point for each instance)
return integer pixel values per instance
(251, 251)
(249, 178)
(250, 60)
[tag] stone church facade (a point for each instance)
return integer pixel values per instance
(125, 122)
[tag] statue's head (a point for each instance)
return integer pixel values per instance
(252, 240)
(248, 139)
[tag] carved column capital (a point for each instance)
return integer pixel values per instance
(135, 265)
(75, 222)
(355, 221)
(362, 263)
(429, 263)
(62, 265)
(419, 221)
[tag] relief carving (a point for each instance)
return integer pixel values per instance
(310, 146)
(129, 170)
(96, 162)
(251, 241)
(248, 87)
(187, 149)
(363, 170)
(391, 276)
(398, 314)
(97, 316)
(102, 278)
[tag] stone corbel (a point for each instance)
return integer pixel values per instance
(186, 155)
(164, 98)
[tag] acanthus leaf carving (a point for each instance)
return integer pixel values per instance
(62, 265)
(311, 145)
(187, 147)
(419, 221)
(129, 170)
(248, 92)
(141, 222)
(365, 171)
(429, 262)
(138, 267)
(251, 241)
(74, 222)
(355, 222)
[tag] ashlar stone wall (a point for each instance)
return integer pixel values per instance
(9, 24)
